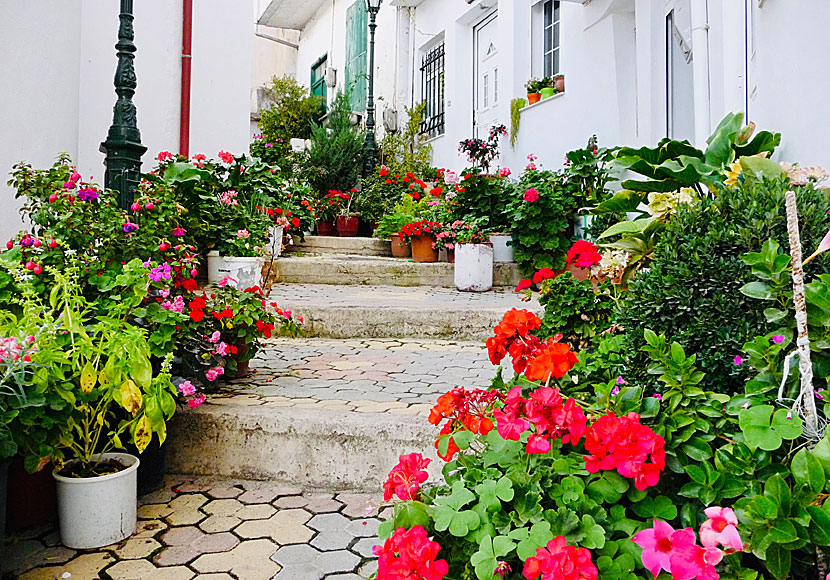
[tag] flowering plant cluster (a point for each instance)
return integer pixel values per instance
(481, 153)
(459, 232)
(332, 204)
(418, 229)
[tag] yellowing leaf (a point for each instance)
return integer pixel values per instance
(131, 397)
(102, 378)
(143, 434)
(88, 378)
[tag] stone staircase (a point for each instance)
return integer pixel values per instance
(385, 338)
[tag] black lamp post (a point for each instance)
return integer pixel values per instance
(123, 148)
(369, 145)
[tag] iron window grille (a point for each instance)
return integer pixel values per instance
(432, 91)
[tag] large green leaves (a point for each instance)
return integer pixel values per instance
(449, 513)
(766, 428)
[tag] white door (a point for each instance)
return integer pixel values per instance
(680, 102)
(486, 76)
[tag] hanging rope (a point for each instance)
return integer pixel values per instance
(805, 403)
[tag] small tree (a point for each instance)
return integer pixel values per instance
(291, 116)
(335, 155)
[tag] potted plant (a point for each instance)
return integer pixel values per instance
(473, 259)
(406, 211)
(421, 236)
(347, 221)
(559, 83)
(533, 86)
(547, 90)
(328, 209)
(481, 153)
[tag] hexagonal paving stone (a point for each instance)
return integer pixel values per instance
(191, 544)
(284, 527)
(181, 536)
(84, 566)
(305, 562)
(214, 524)
(222, 507)
(186, 510)
(143, 570)
(224, 492)
(322, 504)
(149, 528)
(358, 504)
(263, 495)
(136, 548)
(257, 511)
(27, 554)
(364, 546)
(247, 561)
(291, 501)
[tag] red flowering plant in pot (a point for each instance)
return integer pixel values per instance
(328, 208)
(543, 479)
(421, 235)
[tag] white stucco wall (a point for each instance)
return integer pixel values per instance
(325, 34)
(62, 93)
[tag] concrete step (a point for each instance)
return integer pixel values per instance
(335, 245)
(346, 269)
(397, 311)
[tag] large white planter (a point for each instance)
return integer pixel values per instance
(473, 267)
(243, 272)
(275, 241)
(98, 511)
(501, 251)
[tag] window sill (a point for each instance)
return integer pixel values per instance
(432, 140)
(542, 102)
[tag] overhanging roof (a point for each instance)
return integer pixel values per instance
(293, 14)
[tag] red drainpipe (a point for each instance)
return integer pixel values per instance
(184, 112)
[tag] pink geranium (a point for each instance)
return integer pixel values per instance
(214, 373)
(662, 542)
(531, 195)
(720, 528)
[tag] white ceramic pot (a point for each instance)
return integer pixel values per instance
(473, 267)
(501, 251)
(243, 272)
(98, 511)
(275, 241)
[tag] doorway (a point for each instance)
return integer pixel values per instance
(485, 76)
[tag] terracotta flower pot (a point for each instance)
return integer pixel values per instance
(326, 228)
(399, 249)
(347, 225)
(534, 98)
(559, 84)
(422, 250)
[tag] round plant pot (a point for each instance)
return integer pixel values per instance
(559, 84)
(533, 98)
(502, 253)
(473, 267)
(348, 225)
(547, 92)
(242, 366)
(422, 249)
(326, 228)
(98, 511)
(275, 236)
(243, 272)
(399, 249)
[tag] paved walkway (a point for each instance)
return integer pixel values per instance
(220, 530)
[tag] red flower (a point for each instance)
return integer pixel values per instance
(554, 359)
(625, 445)
(406, 477)
(584, 254)
(410, 555)
(226, 313)
(466, 410)
(524, 285)
(264, 328)
(558, 561)
(226, 157)
(543, 274)
(190, 285)
(295, 222)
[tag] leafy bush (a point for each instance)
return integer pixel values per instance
(483, 199)
(334, 158)
(574, 309)
(691, 290)
(290, 117)
(404, 151)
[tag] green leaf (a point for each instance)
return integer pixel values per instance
(760, 168)
(758, 290)
(409, 514)
(777, 490)
(782, 531)
(540, 534)
(463, 438)
(661, 508)
(697, 449)
(778, 560)
(626, 227)
(594, 533)
(622, 202)
(819, 528)
(807, 471)
(822, 453)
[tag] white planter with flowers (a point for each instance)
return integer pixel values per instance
(98, 511)
(242, 272)
(474, 267)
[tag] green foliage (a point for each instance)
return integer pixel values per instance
(404, 151)
(405, 211)
(516, 105)
(574, 309)
(691, 291)
(336, 152)
(291, 116)
(482, 199)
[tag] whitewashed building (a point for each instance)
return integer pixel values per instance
(635, 70)
(57, 63)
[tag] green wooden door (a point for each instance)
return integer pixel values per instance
(357, 25)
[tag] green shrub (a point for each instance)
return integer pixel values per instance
(290, 117)
(335, 155)
(573, 309)
(691, 291)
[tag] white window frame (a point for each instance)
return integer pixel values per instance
(543, 62)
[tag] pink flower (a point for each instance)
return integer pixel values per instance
(165, 155)
(214, 373)
(777, 339)
(226, 280)
(721, 529)
(738, 360)
(221, 349)
(214, 338)
(531, 167)
(531, 195)
(187, 389)
(243, 233)
(196, 401)
(226, 157)
(695, 562)
(662, 542)
(505, 172)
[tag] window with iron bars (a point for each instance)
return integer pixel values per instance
(432, 90)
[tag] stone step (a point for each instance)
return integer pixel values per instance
(397, 311)
(335, 245)
(346, 269)
(327, 413)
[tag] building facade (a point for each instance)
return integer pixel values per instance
(635, 70)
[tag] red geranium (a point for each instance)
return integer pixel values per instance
(542, 275)
(584, 254)
(465, 409)
(559, 561)
(406, 477)
(417, 229)
(410, 555)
